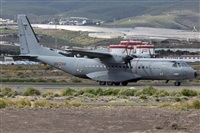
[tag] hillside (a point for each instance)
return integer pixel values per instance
(183, 14)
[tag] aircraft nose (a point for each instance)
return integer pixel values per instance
(195, 74)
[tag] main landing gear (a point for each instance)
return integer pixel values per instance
(113, 83)
(177, 83)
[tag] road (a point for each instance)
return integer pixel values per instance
(57, 86)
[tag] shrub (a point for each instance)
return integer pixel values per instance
(42, 104)
(1, 95)
(177, 99)
(196, 104)
(88, 95)
(149, 90)
(163, 93)
(98, 92)
(67, 92)
(189, 92)
(7, 92)
(75, 104)
(110, 91)
(76, 80)
(127, 92)
(44, 95)
(22, 103)
(56, 95)
(31, 92)
(143, 96)
(2, 104)
(86, 90)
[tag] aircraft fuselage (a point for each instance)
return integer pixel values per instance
(141, 69)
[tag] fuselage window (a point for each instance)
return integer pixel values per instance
(146, 67)
(142, 67)
(138, 67)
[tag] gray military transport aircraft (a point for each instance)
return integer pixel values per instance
(103, 67)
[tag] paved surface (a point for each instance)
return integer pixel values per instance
(56, 86)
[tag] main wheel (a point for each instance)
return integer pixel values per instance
(116, 83)
(177, 83)
(102, 83)
(110, 83)
(124, 83)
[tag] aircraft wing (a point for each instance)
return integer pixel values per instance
(90, 53)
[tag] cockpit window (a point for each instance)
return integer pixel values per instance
(174, 65)
(184, 65)
(179, 65)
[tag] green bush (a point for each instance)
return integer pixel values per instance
(98, 92)
(42, 104)
(143, 96)
(76, 80)
(111, 91)
(95, 92)
(2, 104)
(162, 93)
(189, 92)
(67, 92)
(127, 92)
(22, 103)
(149, 90)
(177, 99)
(196, 104)
(7, 92)
(31, 92)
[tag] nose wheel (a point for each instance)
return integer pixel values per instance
(177, 83)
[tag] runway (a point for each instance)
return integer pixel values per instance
(58, 86)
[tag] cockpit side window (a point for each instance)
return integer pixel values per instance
(184, 64)
(179, 64)
(174, 65)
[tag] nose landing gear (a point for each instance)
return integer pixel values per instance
(177, 83)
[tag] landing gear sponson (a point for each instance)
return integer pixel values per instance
(113, 83)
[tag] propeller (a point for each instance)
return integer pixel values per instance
(127, 59)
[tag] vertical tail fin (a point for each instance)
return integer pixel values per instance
(29, 43)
